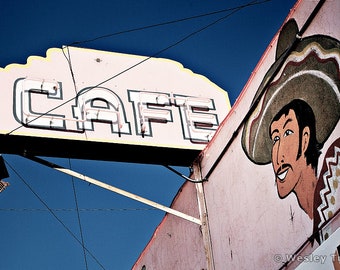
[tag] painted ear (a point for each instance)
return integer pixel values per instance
(305, 139)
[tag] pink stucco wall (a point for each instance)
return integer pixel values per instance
(251, 227)
(176, 243)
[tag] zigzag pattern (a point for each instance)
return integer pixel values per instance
(330, 202)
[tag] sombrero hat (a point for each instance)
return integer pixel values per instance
(310, 73)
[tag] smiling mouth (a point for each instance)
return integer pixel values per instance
(281, 176)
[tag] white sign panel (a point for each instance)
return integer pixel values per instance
(94, 104)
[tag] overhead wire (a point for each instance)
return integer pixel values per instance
(309, 240)
(183, 176)
(78, 217)
(167, 23)
(74, 209)
(255, 103)
(68, 58)
(232, 11)
(52, 213)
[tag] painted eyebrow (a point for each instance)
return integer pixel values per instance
(275, 130)
(284, 125)
(288, 121)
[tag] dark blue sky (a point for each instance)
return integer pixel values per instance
(115, 229)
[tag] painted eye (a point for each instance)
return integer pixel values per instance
(276, 139)
(288, 132)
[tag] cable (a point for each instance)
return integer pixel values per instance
(53, 214)
(79, 221)
(185, 177)
(73, 209)
(268, 82)
(68, 59)
(233, 10)
(309, 240)
(84, 91)
(167, 23)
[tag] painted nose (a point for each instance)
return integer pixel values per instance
(280, 155)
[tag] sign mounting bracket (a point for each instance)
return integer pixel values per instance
(114, 189)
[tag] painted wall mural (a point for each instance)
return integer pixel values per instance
(292, 119)
(272, 169)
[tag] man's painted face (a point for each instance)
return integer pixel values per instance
(286, 163)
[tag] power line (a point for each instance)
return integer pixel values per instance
(233, 11)
(53, 214)
(167, 23)
(78, 217)
(73, 209)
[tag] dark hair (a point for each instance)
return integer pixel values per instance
(305, 118)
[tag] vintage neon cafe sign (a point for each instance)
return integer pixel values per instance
(93, 104)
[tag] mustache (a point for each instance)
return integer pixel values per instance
(283, 167)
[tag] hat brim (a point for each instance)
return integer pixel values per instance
(315, 81)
